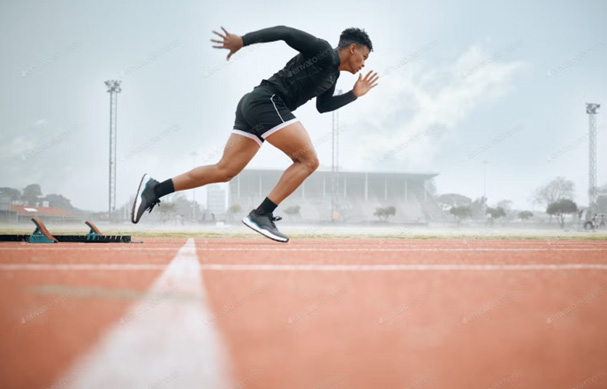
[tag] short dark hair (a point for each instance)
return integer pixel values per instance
(356, 36)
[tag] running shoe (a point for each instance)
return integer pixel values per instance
(264, 224)
(146, 198)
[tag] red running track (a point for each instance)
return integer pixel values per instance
(324, 313)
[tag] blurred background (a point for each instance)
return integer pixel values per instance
(480, 118)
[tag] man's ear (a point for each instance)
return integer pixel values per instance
(352, 48)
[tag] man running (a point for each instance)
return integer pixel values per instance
(265, 113)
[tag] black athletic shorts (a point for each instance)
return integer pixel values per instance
(260, 113)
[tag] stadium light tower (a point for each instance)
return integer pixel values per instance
(113, 88)
(591, 111)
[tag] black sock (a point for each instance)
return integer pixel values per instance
(164, 188)
(267, 206)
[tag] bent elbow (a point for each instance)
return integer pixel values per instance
(285, 30)
(321, 108)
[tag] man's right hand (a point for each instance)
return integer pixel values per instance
(231, 42)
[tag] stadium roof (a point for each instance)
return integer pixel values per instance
(40, 211)
(323, 169)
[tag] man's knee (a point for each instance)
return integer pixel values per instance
(311, 163)
(226, 173)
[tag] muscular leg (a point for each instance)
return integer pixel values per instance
(237, 153)
(294, 141)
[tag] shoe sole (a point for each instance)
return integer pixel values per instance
(251, 224)
(137, 201)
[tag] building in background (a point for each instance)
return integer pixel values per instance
(358, 195)
(601, 203)
(23, 214)
(216, 201)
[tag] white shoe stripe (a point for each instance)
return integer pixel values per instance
(267, 233)
(138, 197)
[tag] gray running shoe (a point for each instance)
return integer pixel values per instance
(146, 198)
(264, 224)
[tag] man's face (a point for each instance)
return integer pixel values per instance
(358, 56)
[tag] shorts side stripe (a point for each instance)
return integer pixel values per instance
(272, 99)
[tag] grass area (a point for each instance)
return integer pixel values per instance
(341, 233)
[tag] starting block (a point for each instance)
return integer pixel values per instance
(42, 235)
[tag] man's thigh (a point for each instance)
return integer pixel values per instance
(294, 141)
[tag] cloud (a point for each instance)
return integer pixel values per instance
(413, 112)
(15, 148)
(41, 124)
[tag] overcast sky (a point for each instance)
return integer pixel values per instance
(461, 82)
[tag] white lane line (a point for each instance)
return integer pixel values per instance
(80, 266)
(333, 248)
(48, 247)
(354, 249)
(410, 267)
(398, 249)
(161, 341)
(295, 267)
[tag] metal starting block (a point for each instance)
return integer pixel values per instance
(42, 235)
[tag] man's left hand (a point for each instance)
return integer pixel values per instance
(231, 42)
(363, 85)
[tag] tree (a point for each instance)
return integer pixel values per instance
(384, 213)
(462, 212)
(507, 206)
(31, 194)
(166, 210)
(559, 188)
(560, 208)
(479, 207)
(292, 211)
(450, 200)
(430, 186)
(233, 209)
(524, 215)
(183, 206)
(13, 194)
(495, 213)
(58, 201)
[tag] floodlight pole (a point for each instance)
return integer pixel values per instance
(113, 89)
(591, 110)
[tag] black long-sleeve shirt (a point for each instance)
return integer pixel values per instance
(311, 73)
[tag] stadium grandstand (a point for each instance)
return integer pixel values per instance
(358, 195)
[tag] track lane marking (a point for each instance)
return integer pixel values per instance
(409, 267)
(295, 267)
(158, 341)
(326, 249)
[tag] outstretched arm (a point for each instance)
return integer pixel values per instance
(301, 41)
(327, 102)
